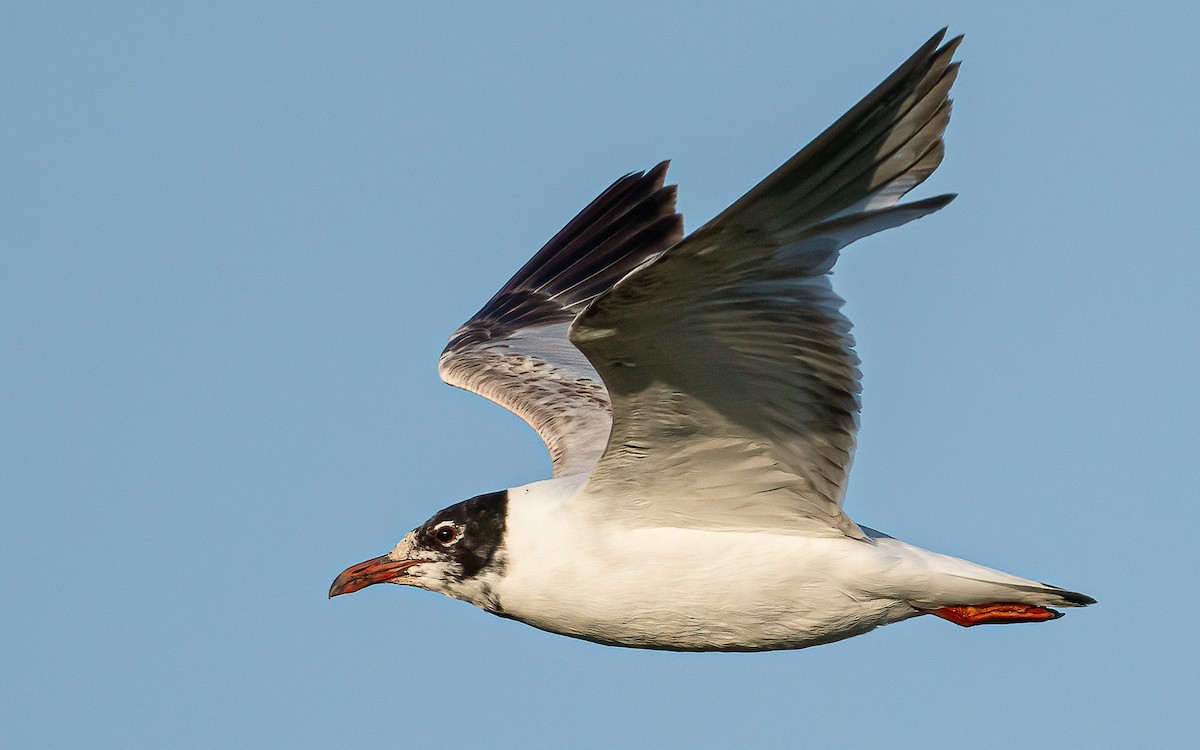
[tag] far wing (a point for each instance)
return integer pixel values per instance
(515, 350)
(729, 364)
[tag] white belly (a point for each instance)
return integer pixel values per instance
(690, 589)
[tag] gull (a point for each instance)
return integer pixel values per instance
(699, 398)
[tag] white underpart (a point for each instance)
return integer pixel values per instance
(572, 573)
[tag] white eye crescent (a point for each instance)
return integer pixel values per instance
(447, 533)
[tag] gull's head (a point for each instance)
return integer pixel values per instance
(454, 553)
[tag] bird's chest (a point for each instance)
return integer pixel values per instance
(681, 589)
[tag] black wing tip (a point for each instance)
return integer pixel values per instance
(633, 219)
(657, 175)
(1074, 597)
(935, 41)
(934, 203)
(929, 53)
(653, 179)
(929, 56)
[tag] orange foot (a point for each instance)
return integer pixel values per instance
(995, 614)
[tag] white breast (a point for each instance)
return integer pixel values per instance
(663, 587)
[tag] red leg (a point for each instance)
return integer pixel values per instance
(994, 614)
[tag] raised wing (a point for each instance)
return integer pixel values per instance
(730, 366)
(515, 350)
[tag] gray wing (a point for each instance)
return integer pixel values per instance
(515, 350)
(729, 364)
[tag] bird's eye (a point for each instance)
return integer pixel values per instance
(446, 533)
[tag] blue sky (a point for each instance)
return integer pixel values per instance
(234, 240)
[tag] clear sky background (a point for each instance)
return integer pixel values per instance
(235, 236)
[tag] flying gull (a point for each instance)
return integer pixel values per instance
(699, 397)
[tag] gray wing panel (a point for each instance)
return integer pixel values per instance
(730, 366)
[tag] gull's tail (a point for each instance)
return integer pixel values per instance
(967, 594)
